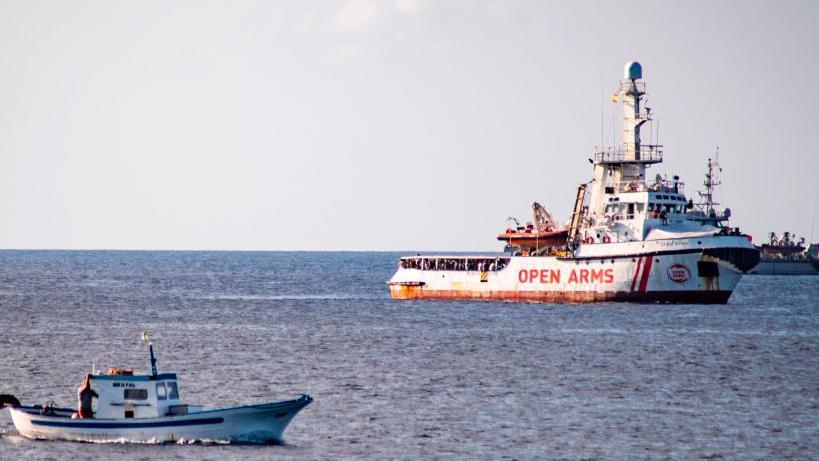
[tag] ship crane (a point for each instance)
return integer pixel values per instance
(544, 222)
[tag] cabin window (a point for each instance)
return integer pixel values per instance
(650, 207)
(135, 394)
(678, 208)
(160, 391)
(173, 392)
(640, 207)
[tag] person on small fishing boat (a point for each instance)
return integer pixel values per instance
(84, 396)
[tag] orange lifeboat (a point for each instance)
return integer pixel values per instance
(531, 238)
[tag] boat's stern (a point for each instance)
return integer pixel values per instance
(405, 289)
(33, 421)
(407, 282)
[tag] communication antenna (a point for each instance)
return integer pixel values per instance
(658, 131)
(147, 339)
(707, 202)
(813, 222)
(602, 103)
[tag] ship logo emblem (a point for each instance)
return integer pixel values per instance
(679, 273)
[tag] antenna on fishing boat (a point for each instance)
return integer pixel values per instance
(145, 338)
(813, 222)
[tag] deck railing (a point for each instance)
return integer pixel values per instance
(646, 154)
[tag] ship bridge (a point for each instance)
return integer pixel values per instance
(621, 169)
(622, 204)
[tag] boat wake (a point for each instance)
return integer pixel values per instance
(287, 297)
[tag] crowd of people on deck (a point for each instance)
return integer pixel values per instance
(455, 264)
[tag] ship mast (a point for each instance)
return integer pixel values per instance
(624, 166)
(707, 204)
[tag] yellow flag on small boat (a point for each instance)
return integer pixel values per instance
(144, 336)
(614, 97)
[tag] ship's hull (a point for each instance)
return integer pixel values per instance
(803, 267)
(672, 297)
(264, 423)
(703, 270)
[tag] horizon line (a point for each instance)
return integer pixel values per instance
(247, 251)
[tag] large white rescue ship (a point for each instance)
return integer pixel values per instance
(628, 239)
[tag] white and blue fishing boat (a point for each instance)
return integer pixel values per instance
(148, 409)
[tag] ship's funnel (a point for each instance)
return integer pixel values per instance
(633, 71)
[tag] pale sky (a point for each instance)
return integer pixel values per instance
(382, 125)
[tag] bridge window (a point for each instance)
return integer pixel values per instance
(160, 391)
(135, 394)
(173, 392)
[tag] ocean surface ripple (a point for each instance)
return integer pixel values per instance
(413, 380)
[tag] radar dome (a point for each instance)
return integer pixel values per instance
(633, 70)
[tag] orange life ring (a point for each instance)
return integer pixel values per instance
(606, 239)
(590, 239)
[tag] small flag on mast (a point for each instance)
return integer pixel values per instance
(144, 336)
(614, 97)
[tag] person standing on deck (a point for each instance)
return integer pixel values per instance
(84, 398)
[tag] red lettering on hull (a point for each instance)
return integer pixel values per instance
(576, 276)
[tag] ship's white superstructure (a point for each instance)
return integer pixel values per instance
(629, 239)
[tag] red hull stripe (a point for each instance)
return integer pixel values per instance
(687, 297)
(646, 272)
(636, 274)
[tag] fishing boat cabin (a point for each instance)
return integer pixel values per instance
(122, 394)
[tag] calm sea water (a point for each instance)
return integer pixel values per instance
(414, 380)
